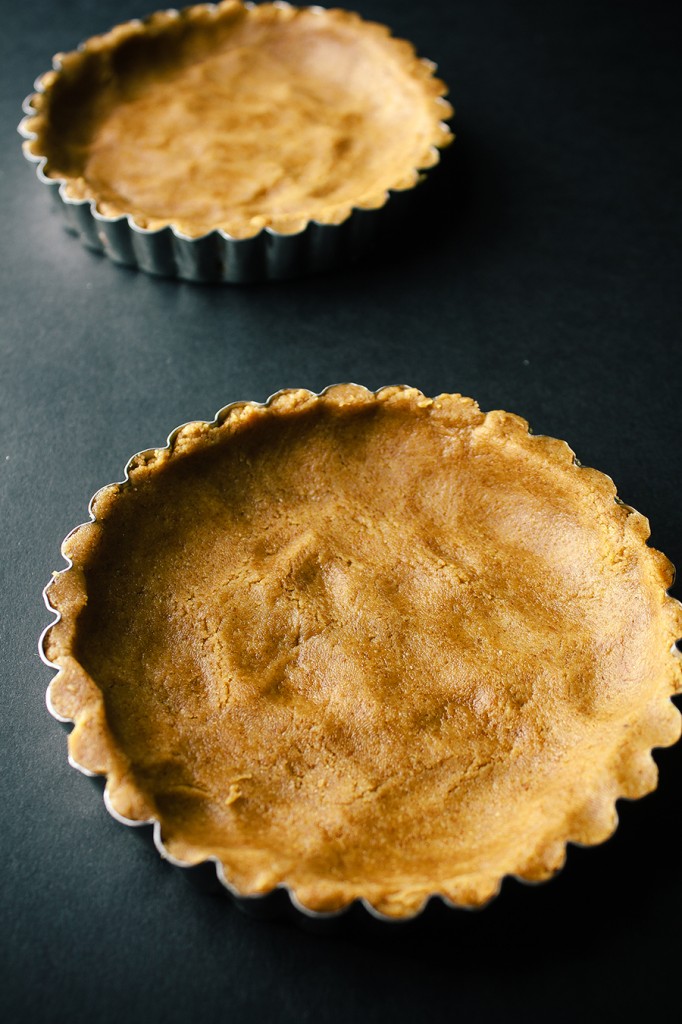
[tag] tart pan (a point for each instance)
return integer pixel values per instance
(661, 731)
(274, 252)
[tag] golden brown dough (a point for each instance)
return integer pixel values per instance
(237, 118)
(367, 645)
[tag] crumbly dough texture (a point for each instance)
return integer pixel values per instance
(240, 118)
(367, 646)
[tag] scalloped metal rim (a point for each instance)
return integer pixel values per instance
(244, 900)
(269, 255)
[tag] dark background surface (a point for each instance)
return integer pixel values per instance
(541, 276)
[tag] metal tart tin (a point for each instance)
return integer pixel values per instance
(217, 257)
(280, 903)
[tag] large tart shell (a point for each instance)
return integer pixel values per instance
(237, 118)
(367, 646)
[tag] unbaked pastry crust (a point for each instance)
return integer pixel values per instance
(238, 118)
(363, 645)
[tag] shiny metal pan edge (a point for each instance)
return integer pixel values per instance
(216, 258)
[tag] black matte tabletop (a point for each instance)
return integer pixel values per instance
(540, 273)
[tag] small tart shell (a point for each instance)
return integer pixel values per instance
(237, 118)
(546, 699)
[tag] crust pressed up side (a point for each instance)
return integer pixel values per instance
(368, 646)
(234, 118)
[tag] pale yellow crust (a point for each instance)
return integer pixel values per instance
(238, 119)
(367, 646)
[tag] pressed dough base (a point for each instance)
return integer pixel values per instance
(368, 646)
(237, 119)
